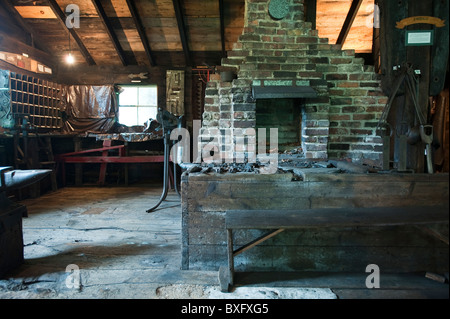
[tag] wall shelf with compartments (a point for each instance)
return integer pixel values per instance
(36, 98)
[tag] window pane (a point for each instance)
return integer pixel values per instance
(145, 113)
(128, 96)
(137, 104)
(128, 116)
(148, 96)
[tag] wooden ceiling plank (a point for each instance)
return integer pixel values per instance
(182, 30)
(354, 7)
(141, 31)
(62, 19)
(109, 29)
(35, 12)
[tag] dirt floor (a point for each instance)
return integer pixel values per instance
(100, 243)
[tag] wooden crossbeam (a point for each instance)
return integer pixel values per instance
(106, 148)
(311, 12)
(351, 15)
(109, 29)
(257, 241)
(141, 31)
(33, 41)
(62, 19)
(182, 30)
(222, 27)
(336, 217)
(113, 159)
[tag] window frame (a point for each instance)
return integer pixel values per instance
(137, 105)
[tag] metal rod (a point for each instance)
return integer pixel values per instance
(165, 172)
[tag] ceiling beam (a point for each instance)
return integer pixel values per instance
(30, 35)
(311, 12)
(62, 19)
(109, 29)
(141, 31)
(351, 15)
(182, 31)
(222, 27)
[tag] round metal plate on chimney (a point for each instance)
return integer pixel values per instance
(278, 9)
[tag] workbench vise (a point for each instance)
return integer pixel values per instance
(168, 120)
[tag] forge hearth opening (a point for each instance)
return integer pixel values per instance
(283, 114)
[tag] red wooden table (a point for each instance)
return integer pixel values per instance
(79, 157)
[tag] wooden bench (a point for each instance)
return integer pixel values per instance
(279, 220)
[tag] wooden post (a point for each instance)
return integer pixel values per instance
(78, 167)
(103, 166)
(420, 57)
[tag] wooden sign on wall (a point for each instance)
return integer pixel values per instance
(439, 23)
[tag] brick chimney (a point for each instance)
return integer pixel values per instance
(337, 98)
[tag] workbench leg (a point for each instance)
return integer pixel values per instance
(62, 166)
(78, 167)
(102, 175)
(125, 153)
(226, 274)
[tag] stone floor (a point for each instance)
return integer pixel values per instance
(99, 243)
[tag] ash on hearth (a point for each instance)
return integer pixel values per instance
(223, 168)
(287, 163)
(226, 168)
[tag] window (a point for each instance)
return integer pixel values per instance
(137, 104)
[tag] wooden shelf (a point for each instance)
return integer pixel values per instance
(38, 99)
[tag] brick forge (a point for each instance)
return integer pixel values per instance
(338, 123)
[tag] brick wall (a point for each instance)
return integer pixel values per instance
(339, 123)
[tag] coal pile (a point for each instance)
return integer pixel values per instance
(227, 168)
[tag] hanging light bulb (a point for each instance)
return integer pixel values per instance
(70, 59)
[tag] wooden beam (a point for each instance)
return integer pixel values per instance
(222, 27)
(141, 31)
(113, 159)
(182, 30)
(257, 241)
(351, 15)
(12, 44)
(62, 19)
(311, 12)
(30, 35)
(109, 29)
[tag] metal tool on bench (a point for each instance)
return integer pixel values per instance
(408, 77)
(426, 134)
(168, 122)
